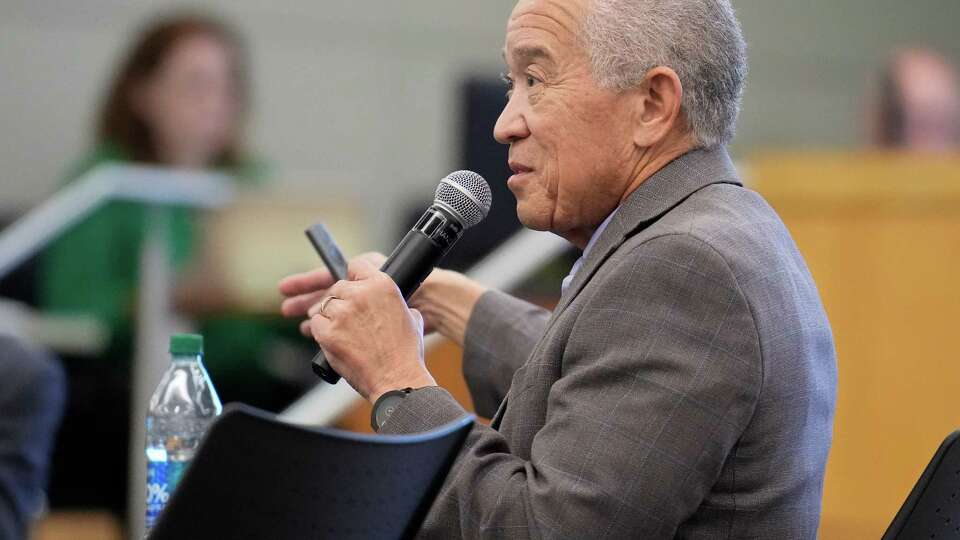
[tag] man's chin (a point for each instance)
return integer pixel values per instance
(533, 222)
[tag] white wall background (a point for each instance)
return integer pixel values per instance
(358, 98)
(351, 99)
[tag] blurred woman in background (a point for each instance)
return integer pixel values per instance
(179, 99)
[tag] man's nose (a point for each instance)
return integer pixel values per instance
(511, 126)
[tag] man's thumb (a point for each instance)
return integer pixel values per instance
(361, 268)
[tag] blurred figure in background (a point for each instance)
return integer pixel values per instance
(31, 405)
(918, 105)
(179, 99)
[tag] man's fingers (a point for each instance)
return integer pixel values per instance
(298, 306)
(321, 278)
(319, 330)
(305, 329)
(375, 258)
(341, 290)
(361, 268)
(306, 282)
(329, 307)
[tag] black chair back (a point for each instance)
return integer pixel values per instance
(932, 510)
(255, 477)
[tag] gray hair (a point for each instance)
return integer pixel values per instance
(700, 40)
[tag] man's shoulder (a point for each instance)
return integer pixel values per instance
(734, 222)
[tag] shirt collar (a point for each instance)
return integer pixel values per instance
(586, 251)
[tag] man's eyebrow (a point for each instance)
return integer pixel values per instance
(529, 52)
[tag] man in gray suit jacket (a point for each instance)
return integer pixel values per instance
(685, 384)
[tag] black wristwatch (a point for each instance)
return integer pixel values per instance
(385, 405)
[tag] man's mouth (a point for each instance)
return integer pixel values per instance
(519, 168)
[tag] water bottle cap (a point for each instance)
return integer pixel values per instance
(186, 344)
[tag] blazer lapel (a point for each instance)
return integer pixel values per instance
(667, 188)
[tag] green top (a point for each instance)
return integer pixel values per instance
(93, 269)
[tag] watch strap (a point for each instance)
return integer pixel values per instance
(382, 402)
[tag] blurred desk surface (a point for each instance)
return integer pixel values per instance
(881, 234)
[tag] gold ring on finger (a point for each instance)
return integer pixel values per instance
(323, 305)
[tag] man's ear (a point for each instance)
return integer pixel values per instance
(657, 106)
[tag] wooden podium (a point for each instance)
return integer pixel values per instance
(881, 234)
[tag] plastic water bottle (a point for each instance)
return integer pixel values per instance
(181, 409)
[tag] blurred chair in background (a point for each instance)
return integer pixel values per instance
(31, 405)
(918, 103)
(179, 99)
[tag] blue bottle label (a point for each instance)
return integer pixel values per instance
(158, 490)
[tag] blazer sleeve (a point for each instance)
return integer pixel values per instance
(661, 374)
(501, 333)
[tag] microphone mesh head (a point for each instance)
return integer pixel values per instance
(467, 195)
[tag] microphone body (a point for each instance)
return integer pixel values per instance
(420, 251)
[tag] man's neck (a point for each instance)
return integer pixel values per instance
(655, 158)
(650, 161)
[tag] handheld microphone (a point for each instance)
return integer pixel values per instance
(462, 200)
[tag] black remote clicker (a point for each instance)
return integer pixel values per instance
(323, 242)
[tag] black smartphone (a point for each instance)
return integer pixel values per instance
(323, 242)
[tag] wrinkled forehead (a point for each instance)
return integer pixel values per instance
(550, 24)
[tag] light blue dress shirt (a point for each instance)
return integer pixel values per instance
(586, 251)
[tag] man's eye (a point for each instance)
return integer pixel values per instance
(531, 81)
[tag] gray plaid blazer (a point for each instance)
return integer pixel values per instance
(683, 387)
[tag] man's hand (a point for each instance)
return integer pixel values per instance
(370, 336)
(445, 299)
(303, 291)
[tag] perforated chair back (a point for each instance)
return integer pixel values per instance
(255, 477)
(932, 510)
